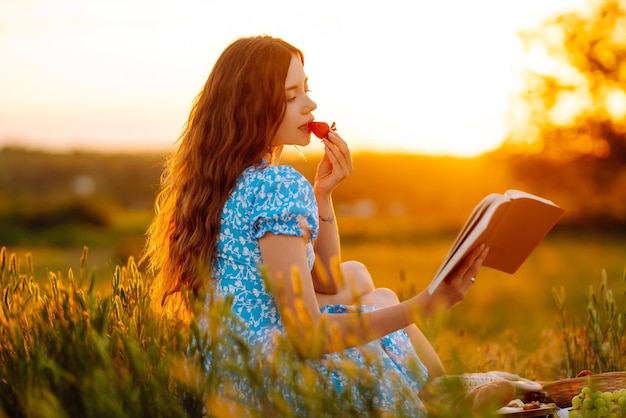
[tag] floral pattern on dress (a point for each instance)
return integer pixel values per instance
(278, 199)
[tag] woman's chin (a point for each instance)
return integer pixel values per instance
(303, 142)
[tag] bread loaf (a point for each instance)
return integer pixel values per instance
(491, 396)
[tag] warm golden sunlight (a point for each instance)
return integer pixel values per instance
(425, 77)
(464, 243)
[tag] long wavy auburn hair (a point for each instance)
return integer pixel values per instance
(230, 127)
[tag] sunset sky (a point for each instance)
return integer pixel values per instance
(413, 76)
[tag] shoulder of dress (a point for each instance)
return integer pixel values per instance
(274, 172)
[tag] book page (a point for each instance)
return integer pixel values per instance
(477, 214)
(516, 194)
(469, 234)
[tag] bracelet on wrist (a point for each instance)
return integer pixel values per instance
(328, 219)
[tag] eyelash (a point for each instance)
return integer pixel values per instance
(291, 99)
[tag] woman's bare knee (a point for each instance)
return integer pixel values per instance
(358, 288)
(381, 298)
(357, 278)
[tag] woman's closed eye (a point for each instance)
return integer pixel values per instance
(294, 97)
(293, 93)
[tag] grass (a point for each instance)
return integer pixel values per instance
(507, 322)
(78, 337)
(499, 304)
(67, 350)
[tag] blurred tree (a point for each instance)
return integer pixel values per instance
(570, 122)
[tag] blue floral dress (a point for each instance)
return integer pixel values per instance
(278, 199)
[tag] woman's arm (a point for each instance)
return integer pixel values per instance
(327, 248)
(336, 165)
(314, 333)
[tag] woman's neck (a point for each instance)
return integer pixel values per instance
(273, 157)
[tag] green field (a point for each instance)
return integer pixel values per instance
(498, 307)
(506, 322)
(563, 259)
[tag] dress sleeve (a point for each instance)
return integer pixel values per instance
(284, 204)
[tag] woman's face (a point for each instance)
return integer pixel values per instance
(293, 129)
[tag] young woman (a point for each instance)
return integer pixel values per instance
(227, 210)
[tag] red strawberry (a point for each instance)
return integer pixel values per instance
(320, 129)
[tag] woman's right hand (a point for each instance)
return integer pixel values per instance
(455, 287)
(336, 164)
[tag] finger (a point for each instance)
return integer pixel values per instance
(342, 157)
(337, 165)
(482, 255)
(338, 159)
(478, 254)
(340, 168)
(335, 139)
(469, 266)
(477, 262)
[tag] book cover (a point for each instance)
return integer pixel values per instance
(510, 224)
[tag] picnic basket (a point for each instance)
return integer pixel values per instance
(563, 390)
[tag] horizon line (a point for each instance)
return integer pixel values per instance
(164, 150)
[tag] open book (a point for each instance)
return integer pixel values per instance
(510, 224)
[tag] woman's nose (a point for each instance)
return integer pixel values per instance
(311, 105)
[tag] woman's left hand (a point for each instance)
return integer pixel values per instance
(455, 287)
(336, 164)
